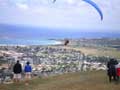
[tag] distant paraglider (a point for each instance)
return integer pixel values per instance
(92, 4)
(54, 1)
(66, 42)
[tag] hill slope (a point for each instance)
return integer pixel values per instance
(96, 80)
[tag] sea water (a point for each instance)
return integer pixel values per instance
(28, 42)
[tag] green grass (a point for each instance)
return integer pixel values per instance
(96, 80)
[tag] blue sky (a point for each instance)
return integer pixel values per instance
(65, 14)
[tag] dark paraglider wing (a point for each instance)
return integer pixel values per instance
(54, 1)
(66, 42)
(96, 7)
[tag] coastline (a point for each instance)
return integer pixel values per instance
(38, 43)
(50, 60)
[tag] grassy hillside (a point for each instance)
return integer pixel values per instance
(101, 52)
(96, 80)
(106, 51)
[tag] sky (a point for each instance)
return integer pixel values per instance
(63, 15)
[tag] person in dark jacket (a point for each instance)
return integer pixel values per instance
(111, 69)
(17, 69)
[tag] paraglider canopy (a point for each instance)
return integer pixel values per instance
(54, 1)
(66, 42)
(96, 7)
(92, 4)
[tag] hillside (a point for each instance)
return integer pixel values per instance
(95, 80)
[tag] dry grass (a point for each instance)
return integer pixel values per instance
(106, 51)
(112, 52)
(96, 80)
(101, 52)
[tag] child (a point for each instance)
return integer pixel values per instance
(27, 70)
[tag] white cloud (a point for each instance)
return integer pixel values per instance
(71, 1)
(22, 6)
(40, 10)
(3, 3)
(64, 13)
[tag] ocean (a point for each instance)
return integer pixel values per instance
(28, 42)
(21, 35)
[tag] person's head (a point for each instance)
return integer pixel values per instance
(115, 59)
(112, 59)
(28, 63)
(17, 61)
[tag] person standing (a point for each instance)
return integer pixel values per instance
(118, 71)
(17, 69)
(112, 70)
(27, 70)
